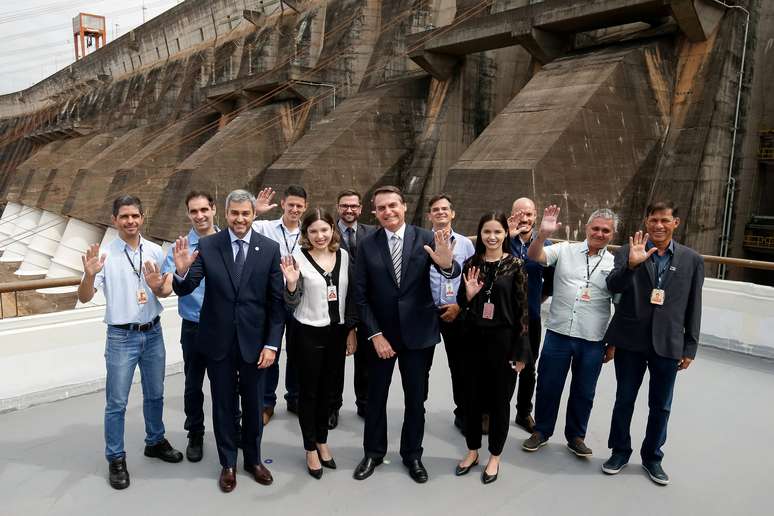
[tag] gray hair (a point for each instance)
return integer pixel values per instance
(239, 196)
(606, 214)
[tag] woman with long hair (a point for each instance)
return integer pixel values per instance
(317, 289)
(493, 300)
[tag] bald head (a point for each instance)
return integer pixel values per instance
(523, 215)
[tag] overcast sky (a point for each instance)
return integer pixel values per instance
(37, 37)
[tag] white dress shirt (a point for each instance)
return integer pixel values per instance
(289, 241)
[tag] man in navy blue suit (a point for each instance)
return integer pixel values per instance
(240, 327)
(392, 291)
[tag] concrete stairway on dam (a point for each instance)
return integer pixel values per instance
(576, 122)
(362, 144)
(235, 157)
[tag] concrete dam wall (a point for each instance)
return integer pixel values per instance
(582, 103)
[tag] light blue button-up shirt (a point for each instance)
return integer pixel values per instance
(187, 306)
(463, 249)
(119, 282)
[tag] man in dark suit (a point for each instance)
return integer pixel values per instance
(240, 326)
(656, 327)
(349, 206)
(392, 291)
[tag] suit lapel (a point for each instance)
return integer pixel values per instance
(228, 256)
(675, 265)
(384, 252)
(251, 259)
(408, 243)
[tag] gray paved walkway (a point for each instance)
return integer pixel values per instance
(718, 454)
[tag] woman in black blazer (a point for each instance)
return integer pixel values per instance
(493, 299)
(317, 289)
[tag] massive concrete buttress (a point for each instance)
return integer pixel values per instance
(583, 103)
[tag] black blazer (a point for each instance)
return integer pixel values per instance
(672, 328)
(406, 315)
(252, 311)
(363, 230)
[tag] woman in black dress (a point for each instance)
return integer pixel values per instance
(493, 300)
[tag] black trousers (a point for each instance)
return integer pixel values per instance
(320, 354)
(413, 365)
(527, 376)
(454, 342)
(194, 367)
(227, 376)
(489, 385)
(364, 350)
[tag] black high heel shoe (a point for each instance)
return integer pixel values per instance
(330, 463)
(315, 473)
(488, 479)
(463, 470)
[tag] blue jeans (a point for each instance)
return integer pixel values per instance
(629, 370)
(124, 350)
(560, 353)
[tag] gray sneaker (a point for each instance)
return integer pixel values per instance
(579, 448)
(535, 441)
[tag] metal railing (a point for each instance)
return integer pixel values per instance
(14, 287)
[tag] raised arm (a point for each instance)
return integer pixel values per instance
(548, 225)
(92, 265)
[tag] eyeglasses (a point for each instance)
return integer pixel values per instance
(349, 206)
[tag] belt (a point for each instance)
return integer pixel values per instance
(138, 327)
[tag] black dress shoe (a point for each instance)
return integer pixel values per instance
(260, 473)
(330, 463)
(361, 411)
(417, 471)
(333, 419)
(293, 406)
(118, 474)
(366, 468)
(227, 480)
(463, 470)
(195, 449)
(315, 473)
(164, 451)
(488, 479)
(526, 422)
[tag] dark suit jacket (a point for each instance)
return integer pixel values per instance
(252, 311)
(406, 315)
(672, 328)
(363, 230)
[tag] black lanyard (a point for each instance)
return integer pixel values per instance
(285, 238)
(660, 271)
(131, 264)
(488, 290)
(331, 280)
(589, 273)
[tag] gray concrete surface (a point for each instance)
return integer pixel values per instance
(718, 456)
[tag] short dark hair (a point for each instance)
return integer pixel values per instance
(661, 206)
(388, 189)
(312, 217)
(193, 194)
(126, 200)
(434, 199)
(295, 191)
(347, 193)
